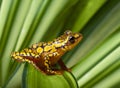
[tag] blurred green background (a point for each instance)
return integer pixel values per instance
(95, 62)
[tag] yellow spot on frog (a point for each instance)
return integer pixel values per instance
(30, 50)
(50, 54)
(39, 50)
(53, 49)
(28, 54)
(22, 53)
(76, 35)
(32, 54)
(57, 45)
(34, 45)
(17, 53)
(47, 48)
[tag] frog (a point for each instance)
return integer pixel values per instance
(45, 55)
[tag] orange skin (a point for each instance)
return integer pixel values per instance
(44, 56)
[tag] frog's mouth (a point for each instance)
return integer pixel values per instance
(79, 37)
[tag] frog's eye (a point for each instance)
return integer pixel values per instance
(71, 39)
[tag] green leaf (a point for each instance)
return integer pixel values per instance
(83, 12)
(98, 69)
(112, 80)
(98, 30)
(97, 54)
(34, 78)
(94, 62)
(10, 35)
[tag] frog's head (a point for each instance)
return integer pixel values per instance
(72, 39)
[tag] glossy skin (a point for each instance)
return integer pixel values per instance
(44, 56)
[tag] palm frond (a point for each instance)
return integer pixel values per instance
(94, 62)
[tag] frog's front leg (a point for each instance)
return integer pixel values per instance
(48, 67)
(63, 66)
